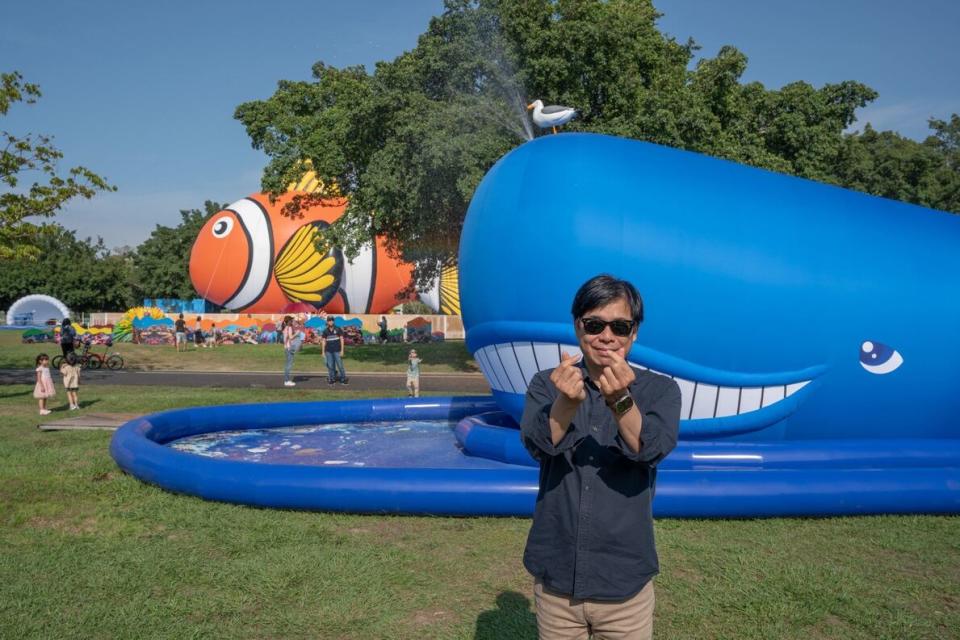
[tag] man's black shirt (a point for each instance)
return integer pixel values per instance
(592, 532)
(331, 336)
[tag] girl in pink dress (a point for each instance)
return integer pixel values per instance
(44, 388)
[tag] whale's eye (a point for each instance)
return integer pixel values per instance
(878, 358)
(222, 227)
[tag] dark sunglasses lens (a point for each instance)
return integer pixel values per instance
(593, 326)
(621, 328)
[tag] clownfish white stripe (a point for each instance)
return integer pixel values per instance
(256, 226)
(358, 279)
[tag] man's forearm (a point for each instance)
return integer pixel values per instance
(561, 414)
(630, 425)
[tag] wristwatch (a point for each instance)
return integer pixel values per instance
(621, 405)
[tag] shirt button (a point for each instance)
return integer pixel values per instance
(596, 429)
(590, 458)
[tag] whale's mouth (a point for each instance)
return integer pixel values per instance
(714, 402)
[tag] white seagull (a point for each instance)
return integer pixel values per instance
(552, 116)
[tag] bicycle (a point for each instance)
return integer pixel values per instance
(114, 361)
(86, 359)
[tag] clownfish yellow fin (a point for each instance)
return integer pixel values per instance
(450, 290)
(305, 272)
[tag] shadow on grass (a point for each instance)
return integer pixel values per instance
(511, 619)
(65, 408)
(16, 394)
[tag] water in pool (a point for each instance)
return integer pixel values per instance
(415, 443)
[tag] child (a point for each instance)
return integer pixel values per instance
(413, 374)
(212, 335)
(44, 388)
(70, 370)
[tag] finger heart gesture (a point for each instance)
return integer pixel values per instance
(568, 378)
(616, 378)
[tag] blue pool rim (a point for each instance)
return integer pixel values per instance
(138, 448)
(699, 479)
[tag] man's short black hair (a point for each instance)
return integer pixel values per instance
(603, 289)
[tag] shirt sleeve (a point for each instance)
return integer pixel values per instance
(535, 424)
(660, 429)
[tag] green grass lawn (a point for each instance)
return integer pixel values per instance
(439, 357)
(88, 552)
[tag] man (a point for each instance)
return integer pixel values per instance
(332, 346)
(67, 336)
(384, 335)
(180, 333)
(598, 427)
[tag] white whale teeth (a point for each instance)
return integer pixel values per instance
(510, 366)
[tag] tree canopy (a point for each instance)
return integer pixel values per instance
(33, 154)
(409, 142)
(83, 274)
(162, 262)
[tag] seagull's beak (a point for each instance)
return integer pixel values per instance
(530, 106)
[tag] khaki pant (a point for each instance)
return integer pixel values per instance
(563, 618)
(413, 386)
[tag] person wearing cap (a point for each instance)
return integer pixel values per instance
(332, 347)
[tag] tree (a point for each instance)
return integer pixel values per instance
(409, 143)
(887, 164)
(19, 237)
(162, 261)
(81, 273)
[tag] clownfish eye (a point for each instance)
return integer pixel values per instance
(878, 358)
(222, 227)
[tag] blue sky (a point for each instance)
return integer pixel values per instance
(144, 93)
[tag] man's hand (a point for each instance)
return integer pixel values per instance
(568, 379)
(616, 378)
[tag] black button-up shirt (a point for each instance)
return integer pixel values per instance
(592, 532)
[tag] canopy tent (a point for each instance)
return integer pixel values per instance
(36, 310)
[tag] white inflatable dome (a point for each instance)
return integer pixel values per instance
(36, 310)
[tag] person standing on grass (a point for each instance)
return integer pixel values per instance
(180, 333)
(599, 427)
(67, 336)
(332, 347)
(211, 337)
(198, 334)
(70, 370)
(292, 341)
(384, 336)
(43, 390)
(413, 374)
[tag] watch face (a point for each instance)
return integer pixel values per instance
(623, 405)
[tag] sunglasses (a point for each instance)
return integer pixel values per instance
(595, 326)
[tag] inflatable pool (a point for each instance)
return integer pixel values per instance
(461, 456)
(464, 487)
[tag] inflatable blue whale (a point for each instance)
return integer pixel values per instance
(788, 311)
(785, 309)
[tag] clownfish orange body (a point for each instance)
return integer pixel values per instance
(250, 257)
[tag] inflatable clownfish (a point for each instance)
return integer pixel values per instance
(252, 258)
